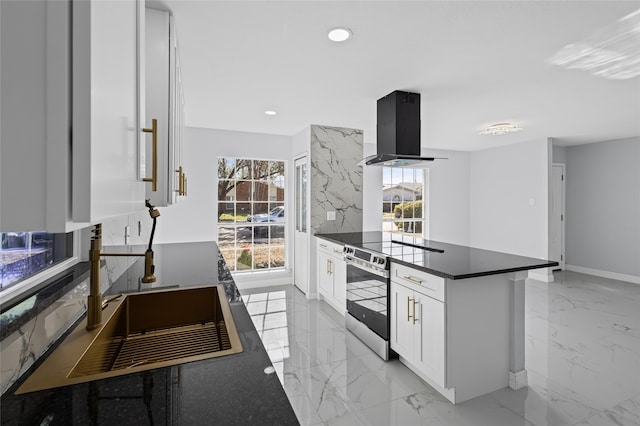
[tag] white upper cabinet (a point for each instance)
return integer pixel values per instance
(106, 49)
(165, 104)
(69, 116)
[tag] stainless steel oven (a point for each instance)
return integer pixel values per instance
(368, 298)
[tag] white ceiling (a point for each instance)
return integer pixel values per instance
(474, 63)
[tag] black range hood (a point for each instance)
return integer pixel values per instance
(398, 132)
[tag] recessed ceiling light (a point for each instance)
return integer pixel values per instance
(339, 34)
(500, 129)
(270, 112)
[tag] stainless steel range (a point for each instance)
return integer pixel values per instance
(367, 298)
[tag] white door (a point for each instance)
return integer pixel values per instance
(301, 240)
(556, 237)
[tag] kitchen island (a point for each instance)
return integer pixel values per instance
(238, 389)
(456, 313)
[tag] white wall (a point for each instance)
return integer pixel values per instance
(194, 218)
(603, 207)
(448, 210)
(503, 182)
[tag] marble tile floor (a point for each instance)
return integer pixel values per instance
(582, 358)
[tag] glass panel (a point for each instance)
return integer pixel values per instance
(226, 212)
(261, 191)
(244, 259)
(261, 258)
(277, 234)
(24, 254)
(226, 237)
(229, 257)
(303, 189)
(260, 209)
(298, 198)
(226, 168)
(244, 235)
(276, 256)
(243, 169)
(261, 169)
(243, 191)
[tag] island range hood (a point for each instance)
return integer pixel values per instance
(398, 132)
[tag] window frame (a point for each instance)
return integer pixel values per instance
(393, 201)
(279, 244)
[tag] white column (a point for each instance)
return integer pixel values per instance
(517, 372)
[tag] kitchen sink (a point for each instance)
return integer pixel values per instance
(143, 331)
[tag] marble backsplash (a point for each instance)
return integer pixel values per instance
(37, 329)
(336, 179)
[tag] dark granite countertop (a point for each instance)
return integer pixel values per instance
(438, 258)
(228, 390)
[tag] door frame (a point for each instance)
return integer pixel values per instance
(563, 192)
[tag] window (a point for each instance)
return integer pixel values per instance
(403, 191)
(251, 213)
(24, 254)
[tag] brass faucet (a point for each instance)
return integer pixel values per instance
(94, 300)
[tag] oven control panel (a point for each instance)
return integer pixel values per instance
(366, 257)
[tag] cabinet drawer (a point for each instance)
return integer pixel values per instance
(422, 282)
(330, 248)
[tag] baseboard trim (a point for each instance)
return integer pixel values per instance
(604, 274)
(518, 380)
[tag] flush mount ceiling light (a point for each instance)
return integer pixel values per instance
(500, 129)
(339, 34)
(270, 112)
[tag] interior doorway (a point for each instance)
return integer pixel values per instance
(557, 216)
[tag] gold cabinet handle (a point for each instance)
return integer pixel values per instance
(338, 251)
(330, 267)
(182, 181)
(414, 311)
(154, 154)
(323, 245)
(409, 316)
(412, 279)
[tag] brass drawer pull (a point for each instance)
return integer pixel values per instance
(412, 279)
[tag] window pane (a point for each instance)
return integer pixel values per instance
(226, 212)
(226, 237)
(402, 202)
(243, 169)
(24, 254)
(261, 191)
(277, 256)
(277, 234)
(244, 259)
(244, 235)
(226, 168)
(262, 258)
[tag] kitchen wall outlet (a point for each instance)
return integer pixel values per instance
(331, 215)
(532, 201)
(127, 234)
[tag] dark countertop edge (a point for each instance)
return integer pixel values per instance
(329, 238)
(474, 275)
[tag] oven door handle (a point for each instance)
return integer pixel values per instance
(361, 265)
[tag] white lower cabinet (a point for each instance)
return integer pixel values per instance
(418, 331)
(332, 275)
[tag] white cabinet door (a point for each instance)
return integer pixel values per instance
(325, 274)
(402, 327)
(340, 284)
(164, 103)
(106, 129)
(430, 337)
